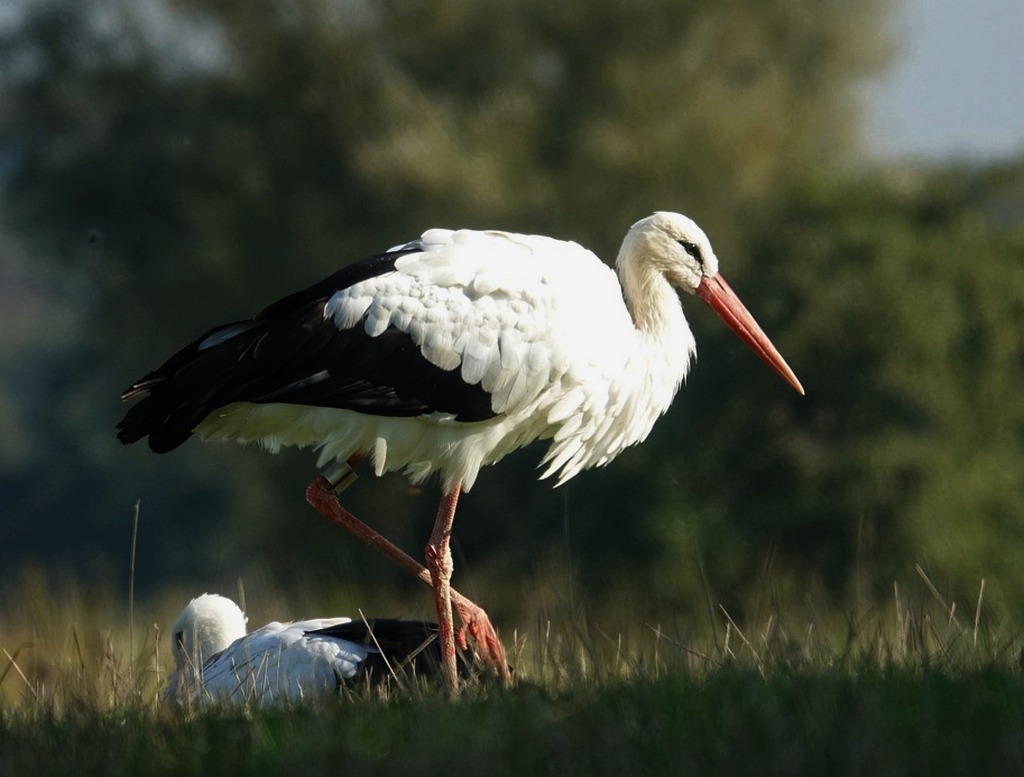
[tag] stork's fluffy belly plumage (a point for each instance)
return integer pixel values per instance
(419, 445)
(423, 445)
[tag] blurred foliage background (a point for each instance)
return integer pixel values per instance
(173, 164)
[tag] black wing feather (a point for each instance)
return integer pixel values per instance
(409, 648)
(288, 353)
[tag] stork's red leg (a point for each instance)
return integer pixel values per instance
(439, 561)
(472, 617)
(321, 495)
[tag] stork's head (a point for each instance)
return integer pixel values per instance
(205, 627)
(677, 249)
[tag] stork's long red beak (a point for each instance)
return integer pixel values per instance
(723, 300)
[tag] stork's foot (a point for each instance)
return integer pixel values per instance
(476, 624)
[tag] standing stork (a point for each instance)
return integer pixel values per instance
(443, 355)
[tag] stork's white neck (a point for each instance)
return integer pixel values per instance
(653, 303)
(666, 346)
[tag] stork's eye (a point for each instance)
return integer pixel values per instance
(179, 639)
(693, 250)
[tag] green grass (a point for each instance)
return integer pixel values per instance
(915, 688)
(732, 721)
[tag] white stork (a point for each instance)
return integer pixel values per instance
(444, 354)
(217, 662)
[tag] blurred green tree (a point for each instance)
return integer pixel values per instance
(191, 161)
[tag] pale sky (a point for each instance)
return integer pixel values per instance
(957, 88)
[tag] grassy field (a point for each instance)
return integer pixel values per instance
(910, 690)
(733, 721)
